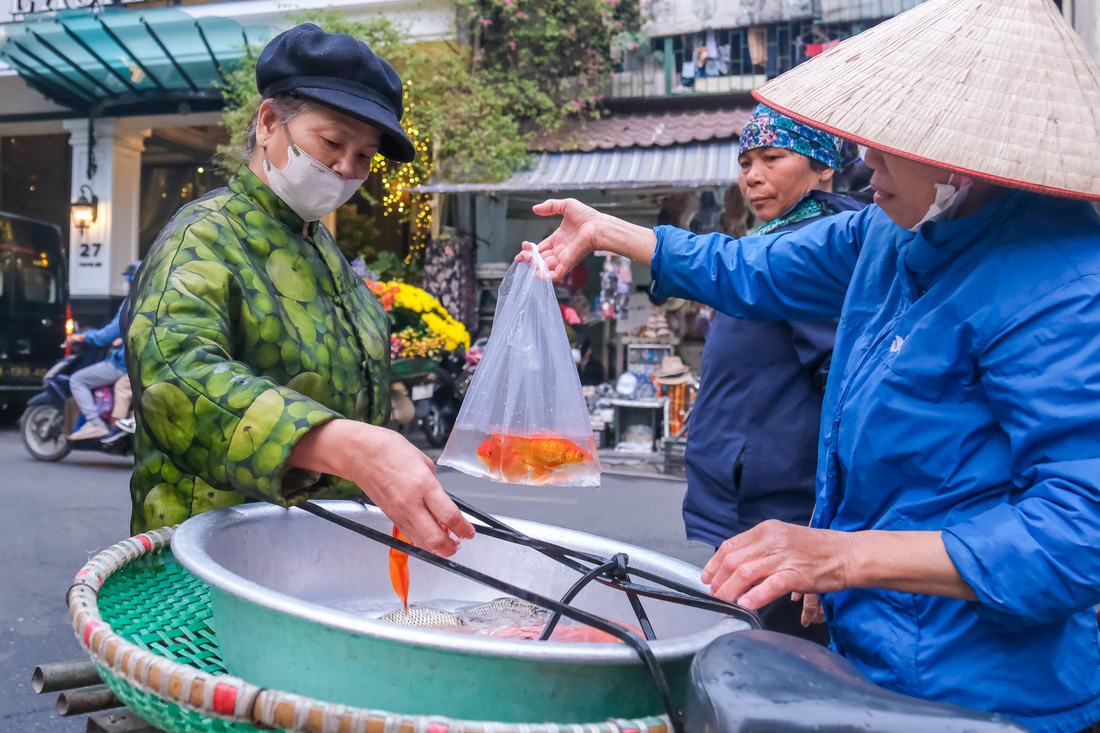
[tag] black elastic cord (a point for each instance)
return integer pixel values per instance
(683, 594)
(625, 635)
(572, 593)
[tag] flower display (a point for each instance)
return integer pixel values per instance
(422, 327)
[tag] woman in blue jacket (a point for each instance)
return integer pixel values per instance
(955, 544)
(752, 446)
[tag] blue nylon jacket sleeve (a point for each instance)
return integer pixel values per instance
(106, 335)
(793, 276)
(1035, 559)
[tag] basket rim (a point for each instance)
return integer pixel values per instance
(235, 700)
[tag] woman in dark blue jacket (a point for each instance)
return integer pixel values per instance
(954, 550)
(752, 446)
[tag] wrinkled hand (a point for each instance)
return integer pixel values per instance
(774, 559)
(576, 237)
(397, 477)
(402, 483)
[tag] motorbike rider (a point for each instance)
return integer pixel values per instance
(103, 373)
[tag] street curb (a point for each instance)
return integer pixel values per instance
(626, 471)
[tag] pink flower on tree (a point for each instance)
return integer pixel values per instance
(512, 45)
(486, 21)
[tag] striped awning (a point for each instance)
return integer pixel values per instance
(94, 60)
(695, 165)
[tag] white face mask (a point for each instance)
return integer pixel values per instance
(307, 186)
(948, 200)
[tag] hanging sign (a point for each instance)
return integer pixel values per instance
(20, 8)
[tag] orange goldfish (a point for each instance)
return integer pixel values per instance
(563, 632)
(399, 569)
(536, 457)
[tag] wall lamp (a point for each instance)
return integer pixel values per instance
(84, 210)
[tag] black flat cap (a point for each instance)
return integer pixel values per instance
(341, 73)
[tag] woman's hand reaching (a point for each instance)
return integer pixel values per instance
(582, 231)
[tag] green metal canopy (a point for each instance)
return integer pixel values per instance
(93, 61)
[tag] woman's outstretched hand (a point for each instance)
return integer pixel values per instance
(582, 231)
(574, 239)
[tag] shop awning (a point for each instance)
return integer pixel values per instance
(697, 165)
(91, 61)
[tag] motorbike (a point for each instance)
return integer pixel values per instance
(431, 400)
(52, 415)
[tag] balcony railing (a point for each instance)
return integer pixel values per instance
(652, 81)
(736, 60)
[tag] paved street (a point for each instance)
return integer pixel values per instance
(55, 516)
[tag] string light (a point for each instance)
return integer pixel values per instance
(398, 183)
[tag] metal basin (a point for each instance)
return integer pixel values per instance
(285, 587)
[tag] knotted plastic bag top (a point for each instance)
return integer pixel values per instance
(524, 418)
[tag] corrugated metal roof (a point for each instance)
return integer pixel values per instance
(695, 165)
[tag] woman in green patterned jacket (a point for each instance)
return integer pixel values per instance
(259, 360)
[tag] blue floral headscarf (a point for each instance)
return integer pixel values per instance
(768, 128)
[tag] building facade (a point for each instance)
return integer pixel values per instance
(116, 101)
(666, 149)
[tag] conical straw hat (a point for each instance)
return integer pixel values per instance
(1001, 89)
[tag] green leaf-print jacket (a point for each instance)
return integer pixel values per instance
(243, 333)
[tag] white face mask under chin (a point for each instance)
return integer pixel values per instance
(307, 186)
(948, 200)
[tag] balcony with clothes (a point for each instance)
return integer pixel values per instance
(723, 60)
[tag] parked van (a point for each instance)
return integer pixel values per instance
(35, 314)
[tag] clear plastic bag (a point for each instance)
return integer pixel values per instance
(524, 418)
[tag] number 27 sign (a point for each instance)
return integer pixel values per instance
(89, 255)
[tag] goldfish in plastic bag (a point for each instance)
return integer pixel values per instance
(536, 457)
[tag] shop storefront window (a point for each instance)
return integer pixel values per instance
(164, 190)
(34, 178)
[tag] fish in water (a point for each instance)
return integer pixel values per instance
(425, 618)
(503, 618)
(562, 632)
(537, 457)
(508, 607)
(399, 570)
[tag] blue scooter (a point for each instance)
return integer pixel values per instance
(51, 415)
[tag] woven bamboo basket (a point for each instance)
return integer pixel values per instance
(144, 621)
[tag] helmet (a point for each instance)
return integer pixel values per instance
(131, 270)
